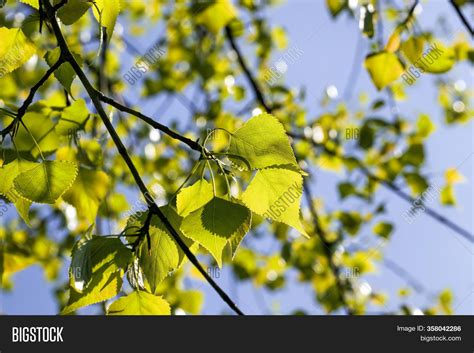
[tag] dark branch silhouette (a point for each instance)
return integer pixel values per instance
(153, 208)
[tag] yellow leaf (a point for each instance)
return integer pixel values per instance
(15, 49)
(383, 68)
(217, 16)
(87, 193)
(394, 41)
(453, 176)
(106, 13)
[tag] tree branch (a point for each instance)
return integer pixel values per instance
(259, 96)
(24, 107)
(95, 97)
(462, 17)
(327, 249)
(192, 144)
(256, 89)
(395, 189)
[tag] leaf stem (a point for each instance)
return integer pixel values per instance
(192, 144)
(96, 100)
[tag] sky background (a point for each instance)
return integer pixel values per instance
(433, 254)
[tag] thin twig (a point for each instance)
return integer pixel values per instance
(462, 17)
(395, 189)
(256, 89)
(319, 231)
(192, 144)
(95, 97)
(327, 249)
(24, 107)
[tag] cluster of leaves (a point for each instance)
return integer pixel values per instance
(56, 151)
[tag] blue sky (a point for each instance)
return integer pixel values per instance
(433, 254)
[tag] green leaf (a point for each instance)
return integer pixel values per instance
(8, 173)
(393, 43)
(438, 58)
(160, 259)
(412, 48)
(262, 142)
(97, 268)
(453, 176)
(346, 189)
(90, 254)
(65, 74)
(164, 255)
(424, 125)
(73, 10)
(191, 301)
(108, 11)
(73, 118)
(87, 193)
(447, 196)
(139, 303)
(275, 193)
(383, 68)
(383, 229)
(14, 261)
(351, 221)
(414, 155)
(32, 3)
(193, 197)
(40, 133)
(336, 6)
(46, 182)
(435, 59)
(416, 182)
(216, 16)
(215, 223)
(367, 136)
(15, 49)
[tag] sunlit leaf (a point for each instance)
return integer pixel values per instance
(262, 142)
(46, 182)
(8, 173)
(217, 16)
(424, 125)
(384, 68)
(107, 11)
(87, 192)
(32, 3)
(275, 193)
(162, 255)
(73, 10)
(336, 6)
(453, 176)
(15, 49)
(215, 223)
(383, 229)
(414, 155)
(193, 197)
(96, 271)
(73, 118)
(416, 182)
(447, 196)
(139, 303)
(90, 254)
(64, 73)
(393, 42)
(38, 136)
